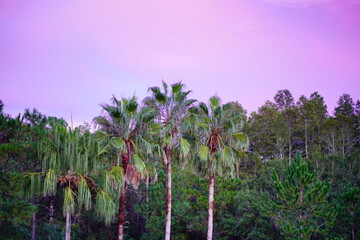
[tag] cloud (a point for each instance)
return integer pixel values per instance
(298, 3)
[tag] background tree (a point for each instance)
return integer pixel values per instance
(312, 114)
(301, 208)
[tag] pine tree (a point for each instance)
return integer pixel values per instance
(300, 208)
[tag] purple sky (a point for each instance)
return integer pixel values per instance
(68, 56)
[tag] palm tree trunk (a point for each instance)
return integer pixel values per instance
(168, 195)
(211, 207)
(68, 223)
(121, 216)
(33, 226)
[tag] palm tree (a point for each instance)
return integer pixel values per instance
(68, 158)
(172, 106)
(125, 123)
(217, 128)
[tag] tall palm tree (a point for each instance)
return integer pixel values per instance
(125, 123)
(171, 106)
(217, 129)
(68, 159)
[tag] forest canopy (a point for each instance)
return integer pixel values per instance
(169, 166)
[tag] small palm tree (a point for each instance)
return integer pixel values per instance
(125, 122)
(217, 129)
(171, 106)
(68, 159)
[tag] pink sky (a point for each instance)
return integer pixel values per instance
(68, 56)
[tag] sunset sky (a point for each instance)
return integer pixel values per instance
(69, 56)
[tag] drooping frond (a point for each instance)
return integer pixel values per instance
(105, 206)
(114, 179)
(204, 153)
(32, 185)
(50, 183)
(145, 145)
(117, 175)
(139, 164)
(243, 140)
(69, 200)
(84, 194)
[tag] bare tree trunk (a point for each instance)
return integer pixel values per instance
(211, 207)
(51, 209)
(290, 150)
(353, 231)
(121, 216)
(168, 194)
(33, 226)
(68, 223)
(306, 140)
(147, 188)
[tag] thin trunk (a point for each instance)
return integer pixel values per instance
(33, 226)
(51, 209)
(211, 207)
(343, 143)
(147, 188)
(168, 195)
(68, 223)
(353, 231)
(121, 216)
(306, 140)
(290, 150)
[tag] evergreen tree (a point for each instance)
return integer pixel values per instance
(301, 208)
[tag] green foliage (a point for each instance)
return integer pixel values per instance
(247, 208)
(15, 212)
(105, 206)
(301, 208)
(244, 219)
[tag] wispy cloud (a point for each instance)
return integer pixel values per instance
(298, 3)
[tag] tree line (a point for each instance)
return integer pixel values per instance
(175, 168)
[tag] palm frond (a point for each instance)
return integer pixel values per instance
(118, 143)
(242, 140)
(84, 194)
(69, 200)
(177, 87)
(214, 102)
(105, 206)
(204, 153)
(50, 183)
(184, 148)
(139, 164)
